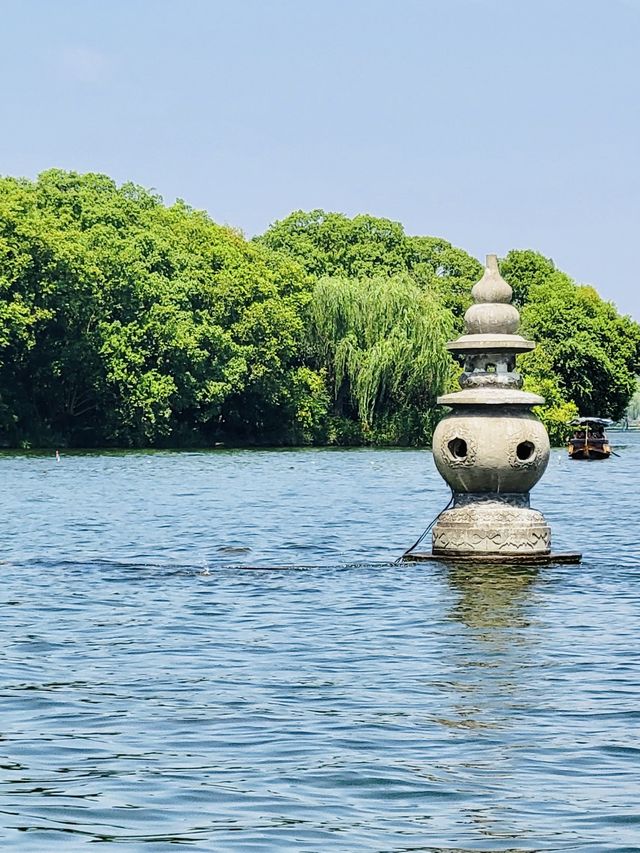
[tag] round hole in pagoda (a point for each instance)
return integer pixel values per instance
(524, 450)
(458, 448)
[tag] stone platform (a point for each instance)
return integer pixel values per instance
(540, 559)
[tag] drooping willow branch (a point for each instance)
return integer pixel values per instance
(382, 339)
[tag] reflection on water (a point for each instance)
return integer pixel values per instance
(491, 596)
(155, 693)
(491, 601)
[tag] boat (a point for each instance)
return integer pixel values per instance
(589, 439)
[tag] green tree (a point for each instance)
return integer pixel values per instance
(124, 321)
(539, 378)
(381, 343)
(449, 271)
(522, 268)
(592, 351)
(332, 244)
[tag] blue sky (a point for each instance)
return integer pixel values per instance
(496, 124)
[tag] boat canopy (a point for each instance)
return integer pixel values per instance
(597, 421)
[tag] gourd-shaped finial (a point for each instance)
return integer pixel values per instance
(492, 312)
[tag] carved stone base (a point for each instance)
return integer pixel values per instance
(491, 527)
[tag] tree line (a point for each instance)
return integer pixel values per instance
(125, 322)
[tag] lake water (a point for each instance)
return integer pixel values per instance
(157, 694)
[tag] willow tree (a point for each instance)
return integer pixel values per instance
(633, 409)
(381, 342)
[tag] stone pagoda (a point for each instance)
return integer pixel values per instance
(491, 449)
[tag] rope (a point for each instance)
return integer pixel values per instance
(422, 535)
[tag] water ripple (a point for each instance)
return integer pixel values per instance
(217, 651)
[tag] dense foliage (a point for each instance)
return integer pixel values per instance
(125, 322)
(588, 355)
(381, 343)
(331, 244)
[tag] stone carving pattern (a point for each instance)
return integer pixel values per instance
(482, 541)
(473, 498)
(534, 461)
(490, 380)
(472, 448)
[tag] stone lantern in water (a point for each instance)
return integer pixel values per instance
(491, 449)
